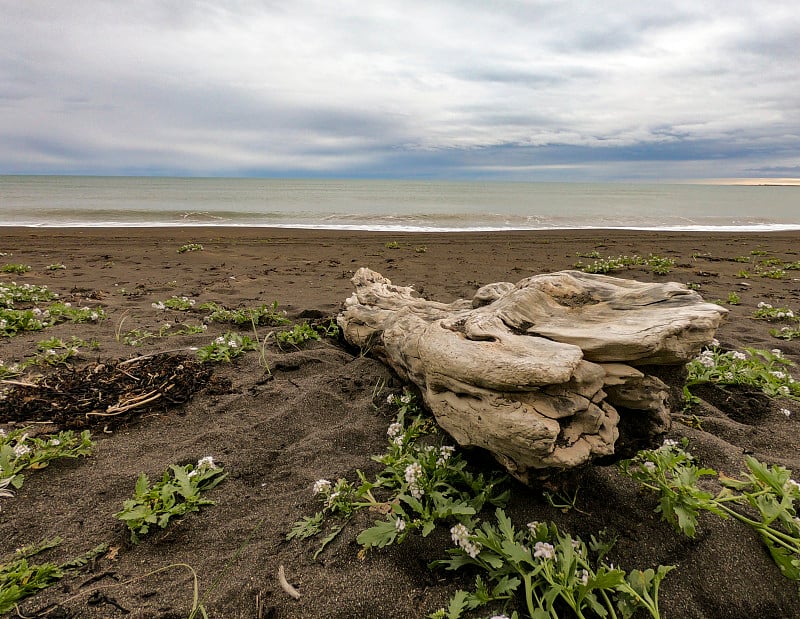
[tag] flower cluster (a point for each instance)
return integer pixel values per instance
(461, 537)
(19, 451)
(765, 370)
(322, 486)
(786, 333)
(226, 347)
(413, 475)
(203, 464)
(543, 550)
(765, 311)
(554, 569)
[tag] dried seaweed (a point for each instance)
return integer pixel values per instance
(105, 394)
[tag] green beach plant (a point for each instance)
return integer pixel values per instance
(298, 335)
(175, 303)
(550, 570)
(764, 498)
(765, 311)
(179, 492)
(19, 578)
(12, 293)
(774, 274)
(421, 485)
(190, 247)
(268, 315)
(786, 333)
(136, 337)
(19, 451)
(226, 347)
(658, 265)
(763, 370)
(15, 268)
(734, 298)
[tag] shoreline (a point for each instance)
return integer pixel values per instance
(278, 419)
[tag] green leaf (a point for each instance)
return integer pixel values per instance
(504, 524)
(786, 561)
(307, 527)
(505, 587)
(383, 533)
(142, 485)
(458, 604)
(328, 539)
(516, 553)
(686, 519)
(184, 483)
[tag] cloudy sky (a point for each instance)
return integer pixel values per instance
(526, 90)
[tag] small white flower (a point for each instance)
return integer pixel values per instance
(706, 359)
(55, 442)
(94, 316)
(159, 306)
(394, 430)
(786, 412)
(445, 453)
(390, 398)
(649, 467)
(784, 390)
(321, 485)
(778, 374)
(413, 472)
(415, 490)
(398, 440)
(777, 351)
(399, 525)
(206, 463)
(738, 355)
(20, 449)
(459, 533)
(584, 578)
(406, 398)
(533, 525)
(763, 305)
(543, 550)
(461, 538)
(670, 442)
(715, 342)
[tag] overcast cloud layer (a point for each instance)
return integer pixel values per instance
(573, 90)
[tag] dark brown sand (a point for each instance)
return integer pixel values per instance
(316, 414)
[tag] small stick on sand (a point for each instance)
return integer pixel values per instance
(285, 584)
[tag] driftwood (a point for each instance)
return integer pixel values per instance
(536, 372)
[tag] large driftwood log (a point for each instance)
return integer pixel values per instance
(538, 372)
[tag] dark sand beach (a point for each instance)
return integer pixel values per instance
(281, 420)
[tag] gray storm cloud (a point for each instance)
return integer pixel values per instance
(561, 90)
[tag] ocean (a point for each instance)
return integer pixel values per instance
(392, 205)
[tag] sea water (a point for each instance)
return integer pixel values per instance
(392, 205)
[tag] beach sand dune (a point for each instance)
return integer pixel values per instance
(280, 419)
